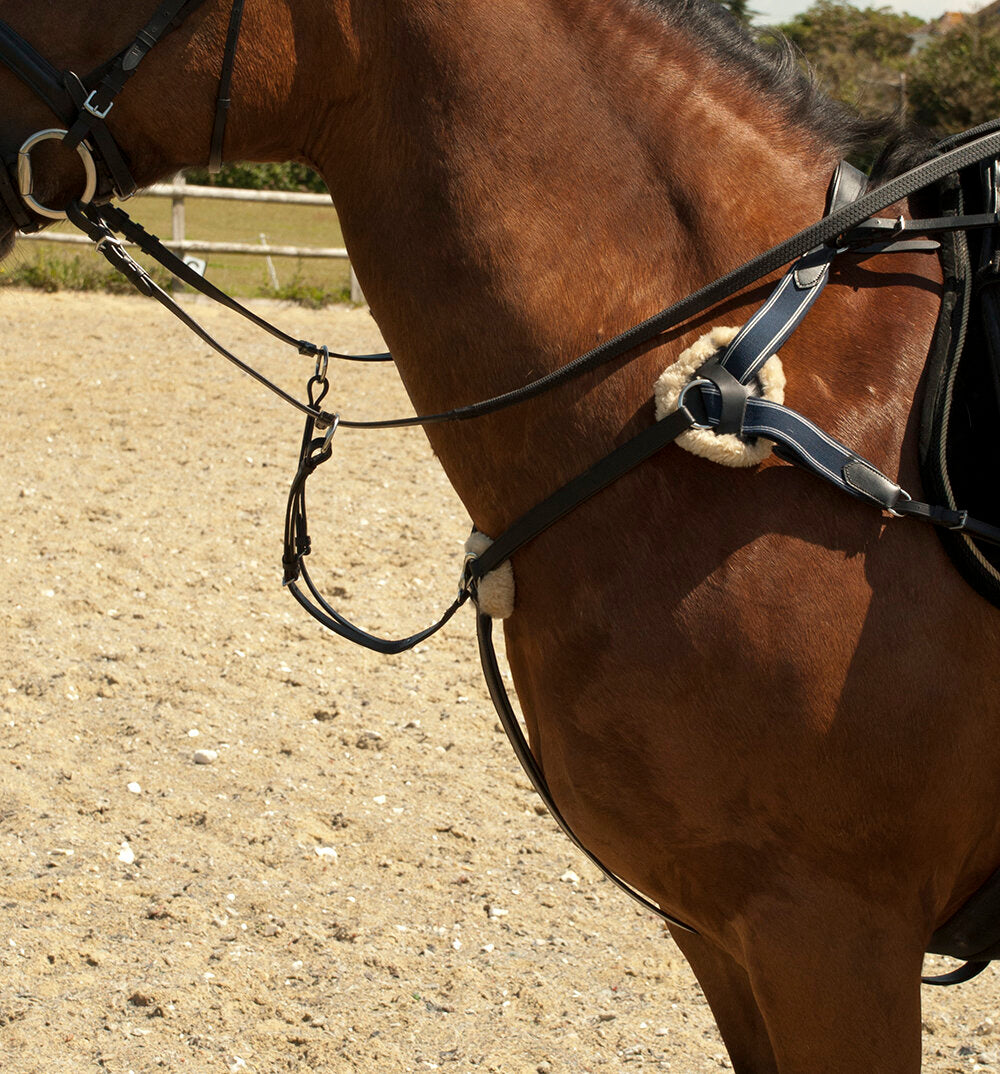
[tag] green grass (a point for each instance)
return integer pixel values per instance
(312, 281)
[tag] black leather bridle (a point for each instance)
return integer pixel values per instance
(82, 105)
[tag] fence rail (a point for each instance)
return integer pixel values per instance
(179, 190)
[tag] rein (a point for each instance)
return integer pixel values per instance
(722, 395)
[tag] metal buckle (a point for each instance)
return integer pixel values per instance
(696, 383)
(97, 112)
(25, 179)
(905, 497)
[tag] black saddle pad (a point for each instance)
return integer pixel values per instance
(960, 427)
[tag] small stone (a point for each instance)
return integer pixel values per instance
(544, 1067)
(134, 788)
(205, 756)
(141, 999)
(569, 877)
(126, 855)
(327, 853)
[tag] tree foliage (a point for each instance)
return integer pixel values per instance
(954, 81)
(858, 54)
(877, 61)
(741, 9)
(261, 177)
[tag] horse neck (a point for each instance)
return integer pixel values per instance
(516, 186)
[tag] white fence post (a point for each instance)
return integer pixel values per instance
(177, 221)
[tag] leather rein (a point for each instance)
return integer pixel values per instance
(722, 395)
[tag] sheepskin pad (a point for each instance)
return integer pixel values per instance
(495, 592)
(726, 449)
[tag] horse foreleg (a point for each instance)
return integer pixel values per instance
(837, 983)
(727, 989)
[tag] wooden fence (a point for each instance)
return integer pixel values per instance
(179, 190)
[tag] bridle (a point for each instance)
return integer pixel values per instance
(83, 106)
(720, 397)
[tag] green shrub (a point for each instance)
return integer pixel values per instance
(261, 177)
(50, 272)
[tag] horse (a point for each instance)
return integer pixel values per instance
(745, 690)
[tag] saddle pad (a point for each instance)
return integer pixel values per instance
(959, 446)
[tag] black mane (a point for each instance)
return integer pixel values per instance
(774, 66)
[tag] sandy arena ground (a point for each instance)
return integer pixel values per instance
(363, 879)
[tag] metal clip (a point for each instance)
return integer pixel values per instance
(334, 426)
(322, 362)
(696, 383)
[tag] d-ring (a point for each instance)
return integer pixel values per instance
(25, 180)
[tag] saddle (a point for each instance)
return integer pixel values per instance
(959, 447)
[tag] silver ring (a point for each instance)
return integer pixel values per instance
(696, 383)
(25, 180)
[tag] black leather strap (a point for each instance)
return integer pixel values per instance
(314, 452)
(225, 81)
(35, 71)
(102, 99)
(510, 724)
(579, 490)
(964, 973)
(122, 224)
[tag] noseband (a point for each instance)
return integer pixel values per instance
(83, 106)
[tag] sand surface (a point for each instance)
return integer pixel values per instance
(362, 879)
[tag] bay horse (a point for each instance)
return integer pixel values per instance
(746, 691)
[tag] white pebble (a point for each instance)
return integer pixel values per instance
(135, 788)
(126, 854)
(379, 799)
(569, 877)
(205, 756)
(327, 853)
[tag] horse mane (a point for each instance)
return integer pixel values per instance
(776, 68)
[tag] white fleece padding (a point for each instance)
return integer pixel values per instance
(495, 592)
(726, 449)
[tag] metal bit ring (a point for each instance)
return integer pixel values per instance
(25, 179)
